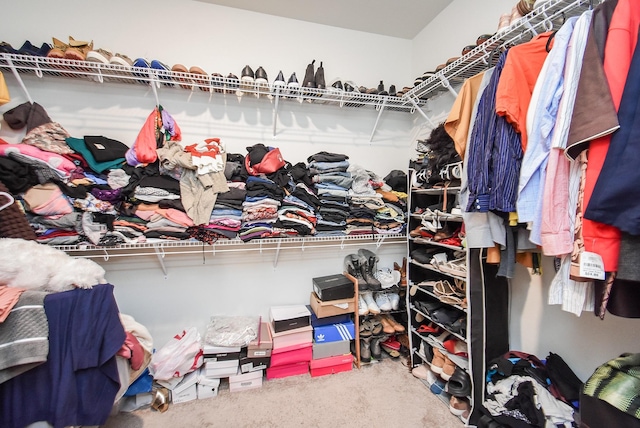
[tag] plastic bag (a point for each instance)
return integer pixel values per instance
(181, 355)
(232, 331)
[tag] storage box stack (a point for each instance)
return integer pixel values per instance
(292, 341)
(219, 362)
(257, 355)
(183, 390)
(332, 305)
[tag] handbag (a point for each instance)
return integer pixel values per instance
(4, 91)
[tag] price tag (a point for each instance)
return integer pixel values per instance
(591, 266)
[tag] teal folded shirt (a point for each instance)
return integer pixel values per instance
(79, 146)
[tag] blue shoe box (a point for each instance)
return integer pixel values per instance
(334, 332)
(334, 319)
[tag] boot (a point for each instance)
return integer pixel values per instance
(365, 350)
(376, 350)
(369, 261)
(403, 271)
(319, 79)
(309, 76)
(352, 266)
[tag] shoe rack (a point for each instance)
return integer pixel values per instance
(437, 294)
(219, 86)
(548, 16)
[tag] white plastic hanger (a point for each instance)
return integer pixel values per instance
(8, 204)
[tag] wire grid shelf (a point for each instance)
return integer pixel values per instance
(548, 16)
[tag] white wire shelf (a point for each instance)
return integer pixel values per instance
(180, 81)
(162, 247)
(548, 16)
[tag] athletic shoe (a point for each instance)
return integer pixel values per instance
(421, 372)
(459, 406)
(387, 277)
(363, 309)
(121, 59)
(99, 55)
(395, 301)
(371, 304)
(383, 302)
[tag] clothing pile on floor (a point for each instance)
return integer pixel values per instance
(100, 191)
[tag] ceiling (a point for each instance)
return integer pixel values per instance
(399, 18)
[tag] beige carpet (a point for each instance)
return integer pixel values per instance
(383, 394)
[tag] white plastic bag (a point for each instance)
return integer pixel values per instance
(181, 355)
(232, 331)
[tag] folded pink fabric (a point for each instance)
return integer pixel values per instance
(8, 298)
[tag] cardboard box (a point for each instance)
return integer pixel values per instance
(335, 319)
(221, 364)
(253, 364)
(298, 336)
(333, 332)
(287, 370)
(243, 382)
(331, 349)
(289, 317)
(294, 356)
(261, 346)
(331, 308)
(331, 365)
(207, 387)
(333, 287)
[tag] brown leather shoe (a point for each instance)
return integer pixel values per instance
(387, 326)
(397, 327)
(403, 271)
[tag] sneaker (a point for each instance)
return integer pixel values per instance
(421, 372)
(371, 304)
(383, 302)
(395, 301)
(459, 406)
(99, 55)
(387, 277)
(363, 309)
(157, 65)
(141, 63)
(437, 387)
(121, 59)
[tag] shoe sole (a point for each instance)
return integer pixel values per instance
(97, 57)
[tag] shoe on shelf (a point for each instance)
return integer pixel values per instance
(293, 86)
(309, 80)
(77, 49)
(363, 309)
(352, 267)
(121, 59)
(203, 81)
(397, 327)
(99, 55)
(232, 84)
(261, 80)
(319, 78)
(387, 326)
(395, 301)
(438, 361)
(447, 369)
(381, 90)
(369, 261)
(28, 49)
(387, 277)
(391, 346)
(365, 350)
(421, 372)
(460, 383)
(142, 63)
(161, 66)
(371, 304)
(247, 77)
(179, 68)
(58, 49)
(376, 350)
(383, 301)
(438, 386)
(278, 83)
(403, 271)
(217, 81)
(459, 406)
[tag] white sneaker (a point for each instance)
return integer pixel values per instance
(387, 277)
(371, 304)
(383, 302)
(362, 306)
(395, 300)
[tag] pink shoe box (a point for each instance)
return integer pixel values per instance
(295, 337)
(262, 345)
(331, 365)
(287, 370)
(293, 354)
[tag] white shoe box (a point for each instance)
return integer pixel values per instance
(207, 387)
(246, 381)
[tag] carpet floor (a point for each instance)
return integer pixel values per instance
(383, 394)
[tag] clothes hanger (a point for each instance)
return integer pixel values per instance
(8, 204)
